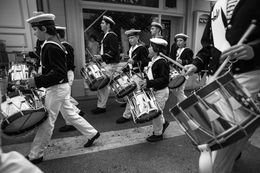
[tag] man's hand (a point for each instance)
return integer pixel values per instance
(238, 52)
(190, 69)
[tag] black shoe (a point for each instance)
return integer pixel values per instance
(238, 156)
(90, 141)
(34, 161)
(165, 125)
(154, 138)
(67, 128)
(98, 110)
(81, 113)
(122, 120)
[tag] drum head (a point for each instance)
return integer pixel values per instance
(23, 121)
(148, 117)
(176, 82)
(99, 83)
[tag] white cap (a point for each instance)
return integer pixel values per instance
(159, 41)
(41, 19)
(109, 19)
(157, 25)
(181, 35)
(132, 32)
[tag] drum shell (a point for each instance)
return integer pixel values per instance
(143, 106)
(122, 85)
(95, 76)
(21, 112)
(219, 114)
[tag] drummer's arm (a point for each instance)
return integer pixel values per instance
(163, 79)
(58, 72)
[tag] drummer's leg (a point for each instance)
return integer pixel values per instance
(179, 92)
(103, 93)
(224, 159)
(53, 101)
(161, 97)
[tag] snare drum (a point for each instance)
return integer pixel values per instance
(176, 79)
(21, 112)
(95, 76)
(18, 72)
(218, 114)
(122, 85)
(143, 106)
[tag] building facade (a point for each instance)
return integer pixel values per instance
(82, 19)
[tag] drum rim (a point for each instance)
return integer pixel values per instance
(18, 115)
(129, 88)
(155, 112)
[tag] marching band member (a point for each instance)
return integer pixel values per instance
(54, 78)
(70, 67)
(158, 79)
(156, 30)
(184, 56)
(109, 54)
(138, 59)
(227, 23)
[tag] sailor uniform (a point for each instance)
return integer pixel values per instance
(158, 79)
(244, 12)
(139, 54)
(219, 35)
(54, 78)
(110, 55)
(109, 48)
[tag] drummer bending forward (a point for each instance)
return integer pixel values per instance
(220, 33)
(158, 79)
(138, 59)
(54, 79)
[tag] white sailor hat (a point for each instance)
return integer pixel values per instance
(60, 28)
(159, 41)
(181, 35)
(109, 19)
(41, 19)
(132, 32)
(157, 25)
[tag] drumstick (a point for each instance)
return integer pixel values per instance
(243, 38)
(171, 60)
(95, 21)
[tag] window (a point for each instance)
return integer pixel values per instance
(124, 21)
(146, 3)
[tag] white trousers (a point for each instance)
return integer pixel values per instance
(161, 97)
(179, 92)
(224, 159)
(72, 100)
(103, 94)
(58, 99)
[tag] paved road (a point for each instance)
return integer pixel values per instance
(123, 149)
